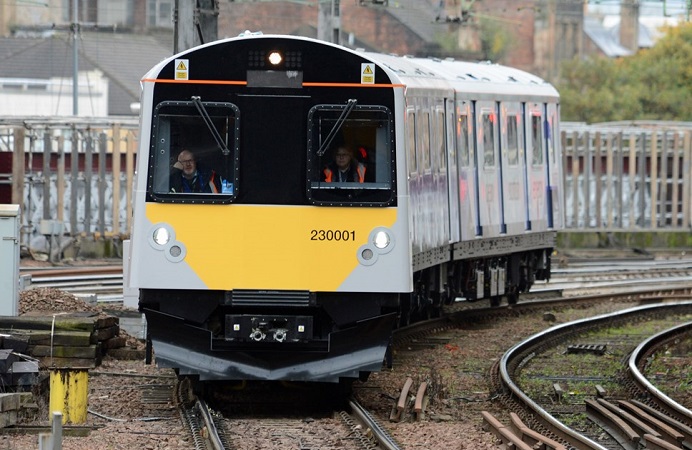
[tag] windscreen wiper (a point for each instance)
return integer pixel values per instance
(212, 128)
(337, 126)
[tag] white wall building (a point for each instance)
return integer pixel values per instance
(54, 96)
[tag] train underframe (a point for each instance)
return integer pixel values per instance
(475, 272)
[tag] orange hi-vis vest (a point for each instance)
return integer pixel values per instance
(360, 170)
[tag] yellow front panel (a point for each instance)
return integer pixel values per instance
(271, 247)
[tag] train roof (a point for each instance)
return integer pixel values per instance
(465, 76)
(429, 73)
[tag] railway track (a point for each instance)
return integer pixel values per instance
(268, 423)
(605, 409)
(98, 283)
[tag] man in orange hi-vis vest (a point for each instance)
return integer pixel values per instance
(345, 167)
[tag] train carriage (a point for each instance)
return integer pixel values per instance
(273, 269)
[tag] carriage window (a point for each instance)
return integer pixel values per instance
(194, 150)
(488, 140)
(350, 155)
(536, 140)
(411, 142)
(439, 126)
(512, 141)
(425, 141)
(463, 140)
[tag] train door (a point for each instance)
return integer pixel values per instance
(452, 172)
(414, 177)
(512, 134)
(423, 155)
(536, 166)
(440, 196)
(487, 144)
(466, 162)
(554, 158)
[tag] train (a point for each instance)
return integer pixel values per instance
(275, 267)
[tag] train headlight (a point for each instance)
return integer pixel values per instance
(367, 254)
(380, 242)
(275, 58)
(161, 236)
(383, 240)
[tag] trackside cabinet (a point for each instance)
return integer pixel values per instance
(9, 259)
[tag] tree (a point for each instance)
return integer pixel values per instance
(653, 84)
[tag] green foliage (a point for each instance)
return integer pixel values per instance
(653, 84)
(496, 41)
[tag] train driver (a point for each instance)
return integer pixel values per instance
(345, 168)
(187, 177)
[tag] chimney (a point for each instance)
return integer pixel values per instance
(629, 24)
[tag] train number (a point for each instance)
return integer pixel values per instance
(332, 235)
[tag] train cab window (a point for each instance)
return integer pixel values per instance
(488, 121)
(512, 140)
(536, 141)
(194, 152)
(351, 155)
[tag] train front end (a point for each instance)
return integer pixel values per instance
(262, 263)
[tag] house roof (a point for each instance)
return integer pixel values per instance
(419, 16)
(123, 58)
(605, 32)
(603, 38)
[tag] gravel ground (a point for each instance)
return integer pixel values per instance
(457, 373)
(116, 391)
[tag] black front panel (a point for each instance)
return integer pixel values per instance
(275, 150)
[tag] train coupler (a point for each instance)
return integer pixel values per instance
(252, 328)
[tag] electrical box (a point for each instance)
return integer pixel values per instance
(9, 260)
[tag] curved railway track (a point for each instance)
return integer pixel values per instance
(601, 406)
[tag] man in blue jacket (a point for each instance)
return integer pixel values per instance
(188, 178)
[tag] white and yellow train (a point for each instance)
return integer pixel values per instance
(270, 270)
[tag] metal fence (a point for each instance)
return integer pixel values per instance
(73, 178)
(627, 176)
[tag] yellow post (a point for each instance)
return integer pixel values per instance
(68, 394)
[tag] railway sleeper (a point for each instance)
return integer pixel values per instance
(533, 437)
(667, 432)
(421, 401)
(503, 433)
(399, 410)
(406, 400)
(619, 429)
(654, 443)
(684, 429)
(639, 425)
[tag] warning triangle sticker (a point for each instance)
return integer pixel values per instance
(181, 66)
(367, 70)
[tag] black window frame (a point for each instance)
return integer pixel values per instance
(162, 149)
(370, 193)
